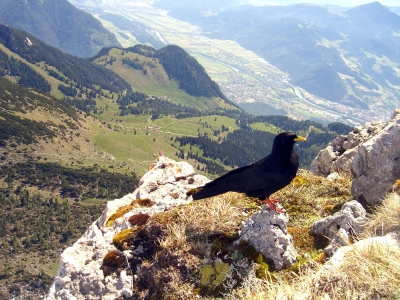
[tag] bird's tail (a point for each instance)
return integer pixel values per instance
(204, 192)
(191, 192)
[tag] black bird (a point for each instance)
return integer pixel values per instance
(260, 179)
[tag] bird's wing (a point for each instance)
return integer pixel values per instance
(264, 180)
(266, 175)
(231, 181)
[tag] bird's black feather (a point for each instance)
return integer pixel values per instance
(261, 178)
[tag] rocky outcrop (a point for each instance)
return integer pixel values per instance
(267, 232)
(83, 267)
(338, 228)
(370, 153)
(376, 164)
(339, 154)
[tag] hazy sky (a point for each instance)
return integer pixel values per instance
(345, 3)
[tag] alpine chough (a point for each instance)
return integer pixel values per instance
(260, 179)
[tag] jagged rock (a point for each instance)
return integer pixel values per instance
(370, 153)
(338, 228)
(266, 231)
(376, 163)
(338, 155)
(79, 274)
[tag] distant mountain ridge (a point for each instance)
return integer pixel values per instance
(352, 57)
(59, 24)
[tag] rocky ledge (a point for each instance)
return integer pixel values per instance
(80, 273)
(107, 260)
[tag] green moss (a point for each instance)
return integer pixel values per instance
(142, 203)
(301, 261)
(124, 237)
(302, 238)
(138, 219)
(125, 209)
(221, 243)
(119, 213)
(300, 181)
(319, 257)
(263, 269)
(166, 217)
(251, 205)
(336, 208)
(113, 262)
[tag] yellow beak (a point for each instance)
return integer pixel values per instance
(299, 138)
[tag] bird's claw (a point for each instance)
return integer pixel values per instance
(272, 206)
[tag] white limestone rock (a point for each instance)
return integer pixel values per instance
(376, 164)
(339, 258)
(79, 274)
(370, 153)
(338, 228)
(267, 232)
(339, 154)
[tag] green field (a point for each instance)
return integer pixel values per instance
(266, 127)
(121, 144)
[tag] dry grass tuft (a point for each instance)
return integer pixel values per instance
(366, 273)
(386, 217)
(201, 219)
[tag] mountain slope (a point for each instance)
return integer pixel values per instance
(78, 70)
(59, 24)
(169, 72)
(53, 179)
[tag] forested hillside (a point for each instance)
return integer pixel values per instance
(81, 71)
(26, 75)
(247, 145)
(103, 87)
(190, 75)
(179, 66)
(48, 196)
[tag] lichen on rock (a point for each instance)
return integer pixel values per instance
(212, 275)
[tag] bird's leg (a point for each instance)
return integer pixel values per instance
(272, 200)
(272, 206)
